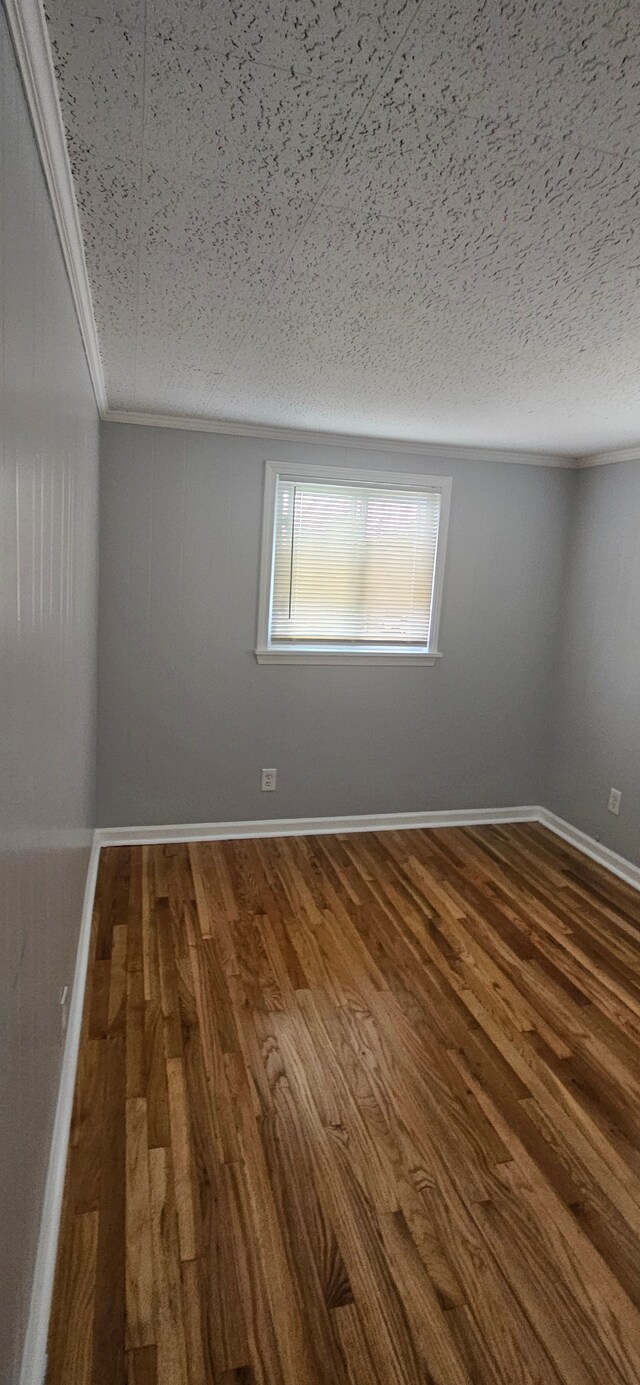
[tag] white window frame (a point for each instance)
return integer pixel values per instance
(267, 653)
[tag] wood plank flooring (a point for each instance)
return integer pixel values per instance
(356, 1110)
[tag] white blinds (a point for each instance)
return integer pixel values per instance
(353, 564)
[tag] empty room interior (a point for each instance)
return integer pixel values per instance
(320, 692)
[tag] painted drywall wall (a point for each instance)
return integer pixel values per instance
(48, 573)
(187, 718)
(597, 738)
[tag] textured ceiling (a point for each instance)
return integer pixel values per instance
(410, 219)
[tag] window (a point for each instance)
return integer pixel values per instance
(352, 566)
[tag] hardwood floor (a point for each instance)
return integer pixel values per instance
(356, 1110)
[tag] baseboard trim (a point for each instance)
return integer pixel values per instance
(304, 827)
(618, 865)
(34, 1355)
(371, 822)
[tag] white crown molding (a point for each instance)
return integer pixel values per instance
(413, 447)
(34, 1355)
(620, 454)
(28, 29)
(430, 450)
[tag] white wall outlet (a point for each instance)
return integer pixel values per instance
(615, 799)
(268, 781)
(64, 1008)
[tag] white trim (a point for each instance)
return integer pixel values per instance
(35, 1344)
(620, 454)
(618, 865)
(33, 52)
(441, 452)
(436, 451)
(268, 653)
(371, 822)
(304, 827)
(298, 654)
(317, 471)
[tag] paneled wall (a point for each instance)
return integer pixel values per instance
(48, 574)
(598, 729)
(186, 716)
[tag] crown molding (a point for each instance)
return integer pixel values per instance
(432, 450)
(620, 454)
(28, 30)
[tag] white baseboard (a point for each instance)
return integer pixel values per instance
(34, 1355)
(304, 827)
(618, 865)
(371, 822)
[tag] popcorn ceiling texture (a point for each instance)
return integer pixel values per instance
(413, 220)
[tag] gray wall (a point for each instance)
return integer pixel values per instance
(48, 520)
(597, 742)
(186, 716)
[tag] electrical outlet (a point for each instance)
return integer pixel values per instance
(268, 781)
(615, 799)
(64, 1008)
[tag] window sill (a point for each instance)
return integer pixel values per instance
(301, 654)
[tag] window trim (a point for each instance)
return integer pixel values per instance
(267, 653)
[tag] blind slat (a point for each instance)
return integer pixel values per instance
(353, 564)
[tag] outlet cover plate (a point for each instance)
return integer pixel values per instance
(615, 800)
